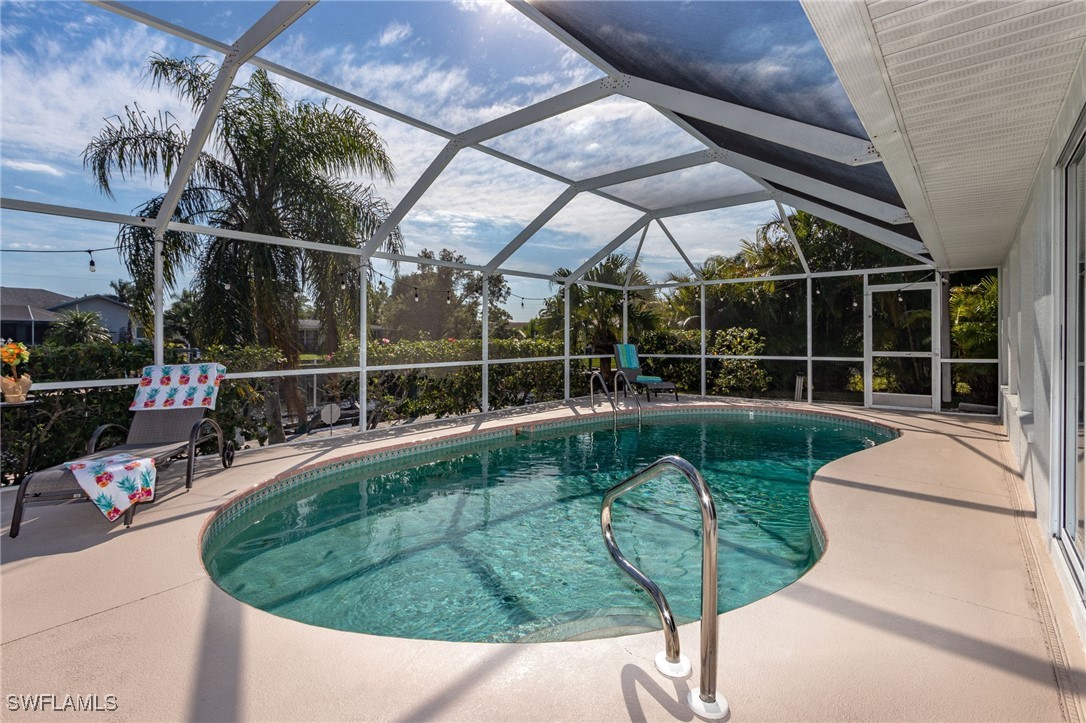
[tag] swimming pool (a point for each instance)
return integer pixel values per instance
(498, 539)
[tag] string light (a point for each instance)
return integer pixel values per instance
(416, 293)
(448, 296)
(91, 254)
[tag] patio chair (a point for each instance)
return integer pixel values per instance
(630, 366)
(163, 431)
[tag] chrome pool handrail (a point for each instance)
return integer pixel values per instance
(706, 703)
(626, 381)
(603, 385)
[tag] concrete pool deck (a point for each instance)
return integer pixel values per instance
(935, 600)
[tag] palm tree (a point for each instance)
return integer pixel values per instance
(270, 167)
(182, 318)
(596, 312)
(78, 327)
(974, 317)
(124, 291)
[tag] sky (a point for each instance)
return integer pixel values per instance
(69, 67)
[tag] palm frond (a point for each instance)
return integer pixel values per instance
(136, 142)
(191, 78)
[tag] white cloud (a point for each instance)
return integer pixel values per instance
(474, 6)
(66, 90)
(394, 33)
(476, 206)
(33, 167)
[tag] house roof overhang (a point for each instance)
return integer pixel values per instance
(961, 100)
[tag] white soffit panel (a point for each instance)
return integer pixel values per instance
(959, 98)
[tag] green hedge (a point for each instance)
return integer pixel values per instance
(448, 391)
(65, 419)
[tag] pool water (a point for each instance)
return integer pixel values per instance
(503, 543)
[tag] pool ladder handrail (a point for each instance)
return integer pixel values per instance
(626, 381)
(603, 385)
(671, 662)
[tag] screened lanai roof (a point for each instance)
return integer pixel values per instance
(744, 94)
(761, 62)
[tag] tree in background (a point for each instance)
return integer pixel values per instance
(595, 314)
(271, 167)
(439, 302)
(125, 292)
(974, 319)
(77, 327)
(182, 320)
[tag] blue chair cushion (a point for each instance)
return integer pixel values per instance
(648, 380)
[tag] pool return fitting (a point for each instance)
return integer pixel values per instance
(671, 662)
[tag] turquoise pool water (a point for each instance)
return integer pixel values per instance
(502, 542)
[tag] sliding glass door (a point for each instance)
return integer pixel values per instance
(1073, 507)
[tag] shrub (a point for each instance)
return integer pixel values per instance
(66, 418)
(739, 377)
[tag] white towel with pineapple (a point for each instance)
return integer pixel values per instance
(115, 483)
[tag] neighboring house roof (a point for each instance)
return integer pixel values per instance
(25, 312)
(75, 302)
(37, 298)
(308, 324)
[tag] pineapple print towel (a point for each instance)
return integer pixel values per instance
(175, 386)
(115, 483)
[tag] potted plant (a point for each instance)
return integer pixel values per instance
(14, 386)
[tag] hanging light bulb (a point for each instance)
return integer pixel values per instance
(855, 303)
(900, 297)
(91, 254)
(226, 286)
(787, 295)
(522, 302)
(416, 292)
(818, 290)
(448, 296)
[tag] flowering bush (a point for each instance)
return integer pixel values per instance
(13, 354)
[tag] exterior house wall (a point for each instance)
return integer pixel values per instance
(114, 317)
(1031, 316)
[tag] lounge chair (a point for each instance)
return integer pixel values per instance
(630, 366)
(163, 432)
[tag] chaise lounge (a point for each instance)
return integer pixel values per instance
(630, 366)
(164, 428)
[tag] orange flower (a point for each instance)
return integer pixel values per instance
(13, 354)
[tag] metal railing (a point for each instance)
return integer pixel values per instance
(671, 662)
(603, 385)
(626, 380)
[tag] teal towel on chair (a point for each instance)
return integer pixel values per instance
(648, 380)
(627, 356)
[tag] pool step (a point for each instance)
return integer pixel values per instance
(582, 625)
